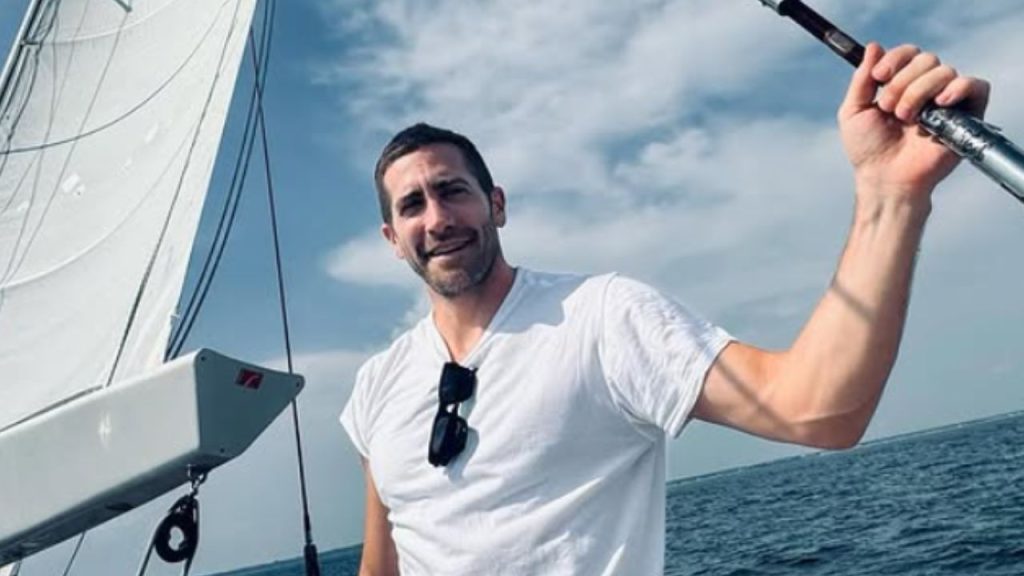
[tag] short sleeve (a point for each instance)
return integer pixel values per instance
(655, 353)
(353, 416)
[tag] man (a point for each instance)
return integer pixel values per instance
(519, 428)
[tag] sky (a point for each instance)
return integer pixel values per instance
(687, 143)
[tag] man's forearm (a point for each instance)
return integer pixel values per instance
(836, 369)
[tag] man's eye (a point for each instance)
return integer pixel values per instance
(409, 206)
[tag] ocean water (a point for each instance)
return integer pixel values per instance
(947, 501)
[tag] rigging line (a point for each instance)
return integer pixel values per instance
(142, 103)
(16, 260)
(74, 555)
(43, 21)
(57, 89)
(47, 27)
(35, 32)
(50, 27)
(142, 199)
(40, 21)
(262, 124)
(9, 97)
(220, 238)
(49, 407)
(76, 38)
(226, 223)
(219, 242)
(138, 203)
(310, 553)
(15, 61)
(174, 200)
(4, 159)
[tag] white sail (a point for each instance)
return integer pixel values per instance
(109, 124)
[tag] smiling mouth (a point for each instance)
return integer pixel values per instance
(449, 249)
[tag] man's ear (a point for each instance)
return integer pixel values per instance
(389, 234)
(498, 206)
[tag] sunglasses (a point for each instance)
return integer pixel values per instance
(448, 436)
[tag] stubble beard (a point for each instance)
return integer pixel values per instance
(450, 283)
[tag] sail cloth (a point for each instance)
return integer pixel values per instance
(110, 119)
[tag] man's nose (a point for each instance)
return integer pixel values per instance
(439, 217)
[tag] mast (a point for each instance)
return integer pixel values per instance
(31, 15)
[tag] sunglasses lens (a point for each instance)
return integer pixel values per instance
(457, 384)
(448, 436)
(447, 439)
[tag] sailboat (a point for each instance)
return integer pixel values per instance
(111, 114)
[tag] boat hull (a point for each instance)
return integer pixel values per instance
(111, 451)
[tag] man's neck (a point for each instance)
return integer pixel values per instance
(462, 320)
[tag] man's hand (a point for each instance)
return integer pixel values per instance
(889, 152)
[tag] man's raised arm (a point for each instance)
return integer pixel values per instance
(823, 390)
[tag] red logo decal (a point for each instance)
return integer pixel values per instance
(249, 379)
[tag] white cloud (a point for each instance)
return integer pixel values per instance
(547, 88)
(698, 194)
(369, 260)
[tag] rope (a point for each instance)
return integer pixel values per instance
(174, 201)
(255, 118)
(227, 218)
(126, 114)
(309, 550)
(74, 554)
(19, 254)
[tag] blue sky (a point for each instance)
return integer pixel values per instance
(688, 143)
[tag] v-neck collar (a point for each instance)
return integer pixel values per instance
(505, 309)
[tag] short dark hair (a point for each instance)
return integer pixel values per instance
(417, 136)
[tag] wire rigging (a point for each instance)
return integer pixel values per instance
(226, 222)
(255, 120)
(174, 200)
(40, 24)
(310, 556)
(74, 554)
(145, 279)
(83, 133)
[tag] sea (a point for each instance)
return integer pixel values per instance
(944, 501)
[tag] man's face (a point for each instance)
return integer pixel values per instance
(441, 221)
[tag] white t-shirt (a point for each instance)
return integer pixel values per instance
(579, 380)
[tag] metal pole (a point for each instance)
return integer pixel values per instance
(14, 57)
(971, 138)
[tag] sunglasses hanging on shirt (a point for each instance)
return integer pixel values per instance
(448, 436)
